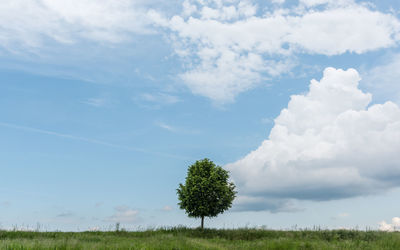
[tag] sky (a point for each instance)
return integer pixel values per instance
(105, 104)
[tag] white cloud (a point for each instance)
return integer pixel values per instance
(167, 208)
(278, 1)
(174, 129)
(340, 216)
(156, 100)
(258, 203)
(384, 80)
(228, 48)
(166, 127)
(124, 214)
(394, 226)
(311, 3)
(97, 102)
(396, 221)
(266, 120)
(29, 23)
(327, 144)
(225, 71)
(94, 229)
(354, 29)
(159, 98)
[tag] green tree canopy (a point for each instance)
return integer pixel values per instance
(207, 191)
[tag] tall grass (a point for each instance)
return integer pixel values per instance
(185, 238)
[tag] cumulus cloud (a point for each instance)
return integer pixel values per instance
(28, 23)
(124, 214)
(327, 144)
(231, 46)
(227, 47)
(390, 227)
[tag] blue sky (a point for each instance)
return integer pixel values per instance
(104, 105)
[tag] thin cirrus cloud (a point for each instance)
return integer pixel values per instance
(311, 3)
(166, 127)
(230, 47)
(177, 130)
(388, 77)
(328, 144)
(157, 100)
(89, 140)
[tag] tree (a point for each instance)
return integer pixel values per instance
(207, 191)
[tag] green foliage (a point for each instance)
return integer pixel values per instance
(186, 238)
(207, 191)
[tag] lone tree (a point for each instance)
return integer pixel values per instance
(206, 192)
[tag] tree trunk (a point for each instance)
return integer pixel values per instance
(202, 222)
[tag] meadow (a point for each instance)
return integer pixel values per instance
(185, 238)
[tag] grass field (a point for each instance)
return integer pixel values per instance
(184, 238)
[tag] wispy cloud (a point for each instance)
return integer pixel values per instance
(156, 100)
(166, 126)
(124, 214)
(65, 214)
(383, 80)
(160, 98)
(96, 102)
(90, 140)
(100, 21)
(340, 216)
(267, 120)
(167, 208)
(174, 129)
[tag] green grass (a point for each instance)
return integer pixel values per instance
(184, 238)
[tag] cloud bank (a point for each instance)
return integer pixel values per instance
(327, 144)
(232, 46)
(390, 227)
